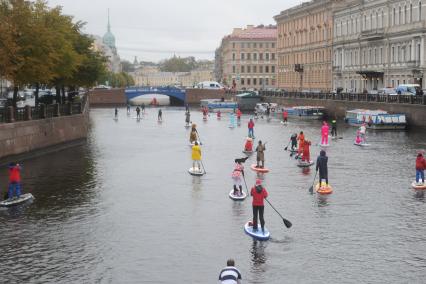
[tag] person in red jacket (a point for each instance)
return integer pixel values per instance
(14, 180)
(285, 116)
(238, 114)
(251, 128)
(259, 193)
(306, 153)
(420, 168)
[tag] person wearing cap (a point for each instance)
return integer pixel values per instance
(14, 181)
(237, 175)
(187, 118)
(248, 147)
(293, 140)
(322, 166)
(260, 149)
(363, 132)
(194, 134)
(230, 274)
(250, 126)
(196, 156)
(420, 168)
(259, 193)
(334, 127)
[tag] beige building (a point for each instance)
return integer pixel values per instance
(247, 58)
(304, 46)
(151, 76)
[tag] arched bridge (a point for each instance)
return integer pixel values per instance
(172, 92)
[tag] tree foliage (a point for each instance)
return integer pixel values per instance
(117, 80)
(41, 46)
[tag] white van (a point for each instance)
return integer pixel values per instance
(209, 85)
(408, 89)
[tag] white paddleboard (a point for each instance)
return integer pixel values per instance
(418, 186)
(12, 202)
(247, 152)
(324, 145)
(193, 143)
(303, 164)
(362, 144)
(237, 197)
(258, 235)
(195, 172)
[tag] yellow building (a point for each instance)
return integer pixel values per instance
(304, 46)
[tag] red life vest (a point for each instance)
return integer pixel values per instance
(14, 174)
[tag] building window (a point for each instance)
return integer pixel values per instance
(254, 69)
(382, 19)
(266, 69)
(409, 52)
(399, 16)
(260, 45)
(420, 10)
(393, 84)
(393, 54)
(260, 56)
(249, 69)
(411, 12)
(397, 54)
(233, 69)
(254, 81)
(405, 14)
(272, 69)
(266, 81)
(233, 56)
(254, 45)
(260, 69)
(248, 56)
(394, 16)
(242, 56)
(260, 81)
(248, 81)
(242, 81)
(273, 45)
(248, 45)
(242, 45)
(254, 56)
(242, 69)
(381, 55)
(266, 56)
(233, 45)
(272, 56)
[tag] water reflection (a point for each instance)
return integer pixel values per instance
(258, 255)
(419, 195)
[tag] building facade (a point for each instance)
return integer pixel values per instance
(379, 44)
(304, 46)
(248, 58)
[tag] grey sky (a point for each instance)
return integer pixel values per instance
(156, 29)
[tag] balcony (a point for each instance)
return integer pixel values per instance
(373, 34)
(337, 70)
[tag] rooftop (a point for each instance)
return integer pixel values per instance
(252, 32)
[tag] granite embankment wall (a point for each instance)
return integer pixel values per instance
(45, 135)
(107, 98)
(194, 96)
(416, 114)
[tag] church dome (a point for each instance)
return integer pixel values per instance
(109, 38)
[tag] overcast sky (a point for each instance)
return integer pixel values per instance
(157, 29)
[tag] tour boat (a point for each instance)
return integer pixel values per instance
(217, 104)
(376, 119)
(305, 112)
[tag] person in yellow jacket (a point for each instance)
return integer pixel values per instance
(196, 156)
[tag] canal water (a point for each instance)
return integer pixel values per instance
(122, 208)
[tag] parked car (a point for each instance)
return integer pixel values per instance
(209, 85)
(409, 89)
(45, 97)
(3, 102)
(387, 91)
(102, 87)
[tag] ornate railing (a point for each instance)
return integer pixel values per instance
(391, 99)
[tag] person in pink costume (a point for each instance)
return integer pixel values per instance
(324, 133)
(358, 139)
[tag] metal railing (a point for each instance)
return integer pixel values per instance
(41, 111)
(380, 98)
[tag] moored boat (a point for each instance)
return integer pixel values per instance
(216, 104)
(376, 119)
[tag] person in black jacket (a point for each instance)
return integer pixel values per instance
(322, 167)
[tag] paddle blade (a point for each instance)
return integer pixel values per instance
(285, 149)
(287, 223)
(311, 189)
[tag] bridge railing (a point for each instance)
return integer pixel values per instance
(355, 97)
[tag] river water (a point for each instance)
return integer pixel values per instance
(122, 208)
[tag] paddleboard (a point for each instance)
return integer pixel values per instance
(361, 144)
(195, 172)
(231, 126)
(258, 235)
(193, 143)
(237, 197)
(303, 164)
(259, 170)
(12, 202)
(187, 126)
(323, 189)
(247, 152)
(268, 119)
(324, 145)
(285, 123)
(418, 186)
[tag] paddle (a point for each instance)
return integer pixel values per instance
(311, 189)
(246, 185)
(199, 139)
(203, 166)
(286, 147)
(287, 223)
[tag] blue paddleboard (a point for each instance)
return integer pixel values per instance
(258, 235)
